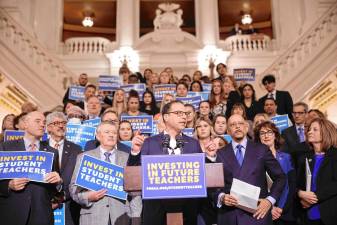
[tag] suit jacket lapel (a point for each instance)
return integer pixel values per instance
(43, 146)
(119, 158)
(231, 160)
(20, 146)
(248, 160)
(294, 134)
(65, 155)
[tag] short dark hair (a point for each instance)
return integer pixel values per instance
(133, 94)
(90, 86)
(168, 106)
(268, 124)
(182, 83)
(272, 99)
(269, 78)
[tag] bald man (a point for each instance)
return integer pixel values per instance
(24, 202)
(249, 162)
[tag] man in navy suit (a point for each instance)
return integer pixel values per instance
(283, 98)
(24, 202)
(248, 162)
(68, 151)
(171, 142)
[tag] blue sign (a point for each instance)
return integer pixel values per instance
(204, 95)
(59, 215)
(95, 174)
(244, 74)
(127, 143)
(188, 131)
(140, 88)
(195, 101)
(173, 176)
(11, 135)
(76, 93)
(25, 164)
(92, 122)
(281, 122)
(142, 123)
(160, 90)
(155, 127)
(207, 87)
(227, 137)
(109, 83)
(80, 134)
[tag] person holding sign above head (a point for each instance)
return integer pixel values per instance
(317, 174)
(246, 162)
(24, 202)
(68, 151)
(97, 208)
(169, 142)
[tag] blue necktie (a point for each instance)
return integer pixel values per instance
(107, 156)
(301, 134)
(239, 155)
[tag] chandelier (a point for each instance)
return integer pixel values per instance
(246, 19)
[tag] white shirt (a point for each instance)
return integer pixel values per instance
(274, 94)
(112, 157)
(173, 145)
(52, 144)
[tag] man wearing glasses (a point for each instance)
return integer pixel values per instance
(111, 116)
(56, 127)
(249, 162)
(172, 142)
(295, 134)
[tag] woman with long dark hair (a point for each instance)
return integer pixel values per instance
(149, 105)
(248, 100)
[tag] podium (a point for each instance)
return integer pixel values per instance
(133, 183)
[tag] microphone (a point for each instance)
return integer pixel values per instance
(180, 142)
(166, 143)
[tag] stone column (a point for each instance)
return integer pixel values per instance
(125, 26)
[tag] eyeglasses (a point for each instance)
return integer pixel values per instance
(58, 123)
(233, 125)
(298, 113)
(268, 133)
(111, 121)
(180, 113)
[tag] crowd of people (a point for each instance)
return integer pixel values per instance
(257, 153)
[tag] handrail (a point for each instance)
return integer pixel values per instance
(87, 45)
(305, 45)
(32, 53)
(248, 43)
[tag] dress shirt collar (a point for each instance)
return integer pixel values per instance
(243, 144)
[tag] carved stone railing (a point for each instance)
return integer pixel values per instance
(87, 46)
(315, 47)
(248, 43)
(30, 65)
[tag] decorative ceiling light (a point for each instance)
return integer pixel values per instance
(88, 20)
(246, 19)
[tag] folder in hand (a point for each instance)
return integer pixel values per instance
(308, 175)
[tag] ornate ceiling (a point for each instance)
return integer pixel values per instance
(230, 12)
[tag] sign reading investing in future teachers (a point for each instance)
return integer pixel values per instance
(24, 164)
(95, 174)
(178, 176)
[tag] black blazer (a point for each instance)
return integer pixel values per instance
(68, 162)
(233, 97)
(34, 201)
(291, 139)
(284, 103)
(326, 184)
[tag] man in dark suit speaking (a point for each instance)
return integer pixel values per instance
(248, 162)
(171, 142)
(24, 202)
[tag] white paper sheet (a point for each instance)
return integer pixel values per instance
(246, 194)
(307, 175)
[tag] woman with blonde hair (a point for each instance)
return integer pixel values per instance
(119, 101)
(318, 197)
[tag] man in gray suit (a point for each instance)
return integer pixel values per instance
(97, 208)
